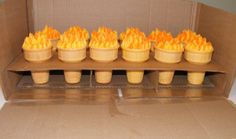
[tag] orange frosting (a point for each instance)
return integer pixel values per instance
(132, 32)
(172, 45)
(104, 38)
(133, 38)
(160, 36)
(71, 42)
(36, 42)
(77, 31)
(50, 32)
(194, 42)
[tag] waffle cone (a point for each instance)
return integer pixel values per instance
(72, 77)
(103, 77)
(197, 57)
(166, 77)
(165, 56)
(135, 55)
(104, 54)
(72, 55)
(135, 77)
(40, 77)
(40, 55)
(196, 78)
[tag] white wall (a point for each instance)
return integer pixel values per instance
(2, 100)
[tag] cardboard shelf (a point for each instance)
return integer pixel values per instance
(118, 81)
(20, 64)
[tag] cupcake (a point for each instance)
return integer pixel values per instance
(158, 36)
(197, 51)
(52, 34)
(135, 48)
(168, 52)
(72, 48)
(104, 48)
(38, 49)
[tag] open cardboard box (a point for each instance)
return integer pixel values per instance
(119, 109)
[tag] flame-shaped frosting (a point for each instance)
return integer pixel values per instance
(50, 32)
(160, 36)
(38, 42)
(104, 38)
(172, 45)
(194, 41)
(132, 32)
(133, 38)
(81, 33)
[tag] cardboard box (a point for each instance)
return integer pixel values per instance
(119, 109)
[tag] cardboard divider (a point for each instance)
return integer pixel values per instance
(218, 26)
(20, 64)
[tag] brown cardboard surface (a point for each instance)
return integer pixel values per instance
(20, 64)
(145, 14)
(13, 23)
(88, 95)
(118, 81)
(146, 119)
(219, 27)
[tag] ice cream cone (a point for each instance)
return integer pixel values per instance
(72, 55)
(104, 54)
(39, 55)
(200, 58)
(72, 77)
(135, 55)
(166, 77)
(197, 57)
(196, 78)
(135, 77)
(40, 77)
(165, 56)
(103, 77)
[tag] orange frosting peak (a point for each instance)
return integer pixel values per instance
(77, 31)
(172, 45)
(33, 42)
(50, 32)
(159, 36)
(132, 32)
(104, 38)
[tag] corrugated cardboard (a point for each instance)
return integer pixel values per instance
(117, 110)
(172, 15)
(127, 119)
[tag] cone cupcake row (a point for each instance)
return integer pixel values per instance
(135, 77)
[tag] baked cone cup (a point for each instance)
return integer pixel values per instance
(135, 76)
(135, 55)
(40, 77)
(54, 44)
(196, 78)
(103, 76)
(71, 56)
(37, 56)
(165, 56)
(200, 58)
(103, 55)
(166, 77)
(72, 77)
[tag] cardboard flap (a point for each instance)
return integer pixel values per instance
(118, 14)
(139, 119)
